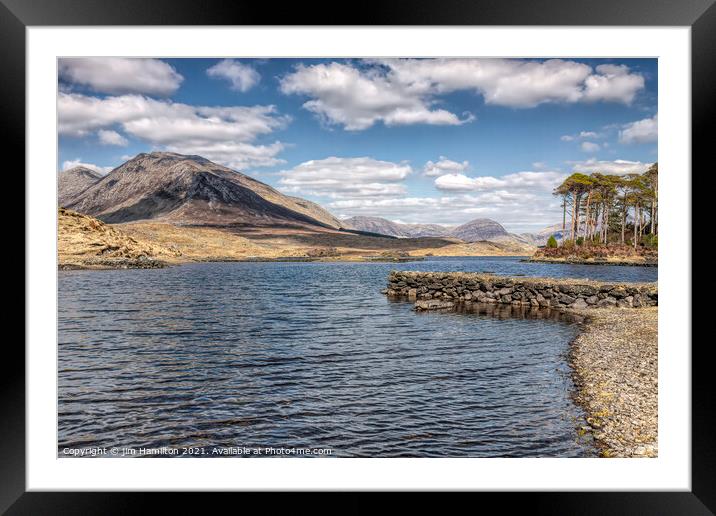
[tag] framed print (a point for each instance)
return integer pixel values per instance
(415, 249)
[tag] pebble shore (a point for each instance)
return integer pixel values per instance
(615, 364)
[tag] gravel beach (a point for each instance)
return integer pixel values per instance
(615, 368)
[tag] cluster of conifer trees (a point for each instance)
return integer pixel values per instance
(606, 208)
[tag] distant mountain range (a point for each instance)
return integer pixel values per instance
(186, 190)
(474, 231)
(388, 227)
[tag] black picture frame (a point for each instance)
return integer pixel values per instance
(700, 15)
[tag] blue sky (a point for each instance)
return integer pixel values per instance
(412, 140)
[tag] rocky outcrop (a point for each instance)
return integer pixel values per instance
(443, 290)
(84, 242)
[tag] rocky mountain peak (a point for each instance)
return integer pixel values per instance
(72, 182)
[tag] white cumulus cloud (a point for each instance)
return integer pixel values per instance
(641, 131)
(503, 82)
(616, 167)
(109, 137)
(613, 83)
(346, 178)
(241, 77)
(519, 181)
(355, 99)
(444, 166)
(119, 75)
(225, 134)
(405, 91)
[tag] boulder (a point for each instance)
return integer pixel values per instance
(579, 303)
(607, 301)
(567, 300)
(625, 302)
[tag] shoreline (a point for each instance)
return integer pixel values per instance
(566, 261)
(152, 263)
(614, 362)
(160, 264)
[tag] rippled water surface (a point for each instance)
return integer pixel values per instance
(285, 355)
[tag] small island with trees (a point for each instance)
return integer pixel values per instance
(607, 219)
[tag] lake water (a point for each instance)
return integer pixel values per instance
(220, 357)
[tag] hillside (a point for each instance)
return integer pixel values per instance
(74, 181)
(194, 191)
(85, 242)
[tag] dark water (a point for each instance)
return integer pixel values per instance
(311, 355)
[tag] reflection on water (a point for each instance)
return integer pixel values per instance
(309, 355)
(506, 311)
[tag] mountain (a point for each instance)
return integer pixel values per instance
(479, 229)
(74, 181)
(540, 238)
(388, 227)
(192, 190)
